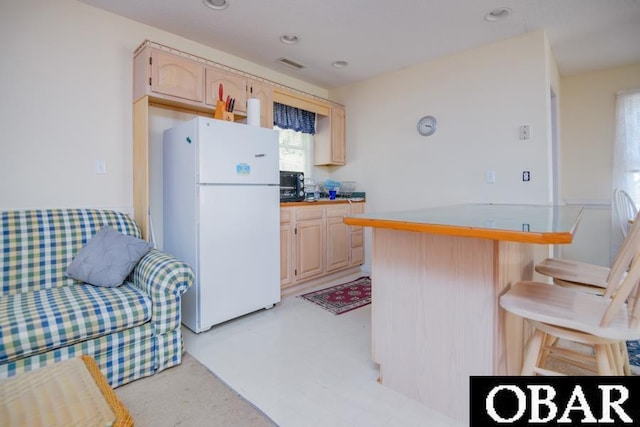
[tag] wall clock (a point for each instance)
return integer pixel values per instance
(427, 125)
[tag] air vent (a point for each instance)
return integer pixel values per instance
(290, 63)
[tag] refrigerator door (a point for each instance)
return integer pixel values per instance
(233, 153)
(239, 268)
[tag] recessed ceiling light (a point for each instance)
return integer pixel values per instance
(339, 64)
(216, 4)
(289, 39)
(498, 14)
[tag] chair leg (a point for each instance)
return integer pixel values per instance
(602, 359)
(549, 341)
(626, 367)
(615, 361)
(532, 353)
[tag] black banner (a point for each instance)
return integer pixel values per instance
(535, 401)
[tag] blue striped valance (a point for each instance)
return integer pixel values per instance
(287, 117)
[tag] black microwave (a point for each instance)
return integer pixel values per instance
(291, 186)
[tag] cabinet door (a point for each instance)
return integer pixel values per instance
(286, 255)
(337, 135)
(329, 141)
(264, 93)
(176, 76)
(287, 242)
(338, 244)
(356, 256)
(309, 247)
(233, 85)
(357, 248)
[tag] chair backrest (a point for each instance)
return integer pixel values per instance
(626, 293)
(629, 250)
(624, 278)
(625, 209)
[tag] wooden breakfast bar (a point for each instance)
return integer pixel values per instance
(437, 275)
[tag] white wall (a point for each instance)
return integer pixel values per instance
(66, 85)
(480, 97)
(588, 130)
(587, 112)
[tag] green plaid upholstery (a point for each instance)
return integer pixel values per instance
(37, 245)
(123, 356)
(169, 350)
(165, 280)
(132, 330)
(34, 322)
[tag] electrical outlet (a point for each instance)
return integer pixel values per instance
(526, 176)
(524, 132)
(100, 167)
(490, 177)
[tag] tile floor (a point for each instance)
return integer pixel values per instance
(305, 367)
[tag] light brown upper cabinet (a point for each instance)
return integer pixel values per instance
(164, 74)
(330, 138)
(233, 85)
(264, 93)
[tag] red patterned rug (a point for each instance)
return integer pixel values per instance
(342, 298)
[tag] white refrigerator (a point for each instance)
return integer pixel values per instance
(221, 215)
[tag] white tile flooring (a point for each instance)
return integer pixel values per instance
(303, 366)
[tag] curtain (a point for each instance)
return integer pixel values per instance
(287, 117)
(626, 155)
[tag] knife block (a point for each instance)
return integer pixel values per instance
(220, 111)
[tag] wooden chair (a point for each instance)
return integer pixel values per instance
(625, 210)
(602, 321)
(592, 278)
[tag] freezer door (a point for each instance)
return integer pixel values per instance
(239, 251)
(233, 153)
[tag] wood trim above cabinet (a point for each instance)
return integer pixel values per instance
(292, 99)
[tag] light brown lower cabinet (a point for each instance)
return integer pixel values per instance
(314, 242)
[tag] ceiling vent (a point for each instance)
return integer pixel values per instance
(290, 63)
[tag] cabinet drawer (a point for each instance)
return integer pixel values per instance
(357, 239)
(337, 211)
(285, 216)
(308, 213)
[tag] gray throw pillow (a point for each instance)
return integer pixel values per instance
(107, 258)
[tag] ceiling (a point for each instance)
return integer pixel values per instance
(377, 37)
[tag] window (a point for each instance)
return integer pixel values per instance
(296, 151)
(626, 167)
(626, 155)
(296, 128)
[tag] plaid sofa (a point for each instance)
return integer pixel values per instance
(132, 330)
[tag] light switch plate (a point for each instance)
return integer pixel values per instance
(101, 167)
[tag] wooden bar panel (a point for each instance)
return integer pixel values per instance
(433, 309)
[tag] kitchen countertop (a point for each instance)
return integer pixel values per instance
(337, 201)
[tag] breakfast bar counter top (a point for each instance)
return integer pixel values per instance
(437, 276)
(545, 224)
